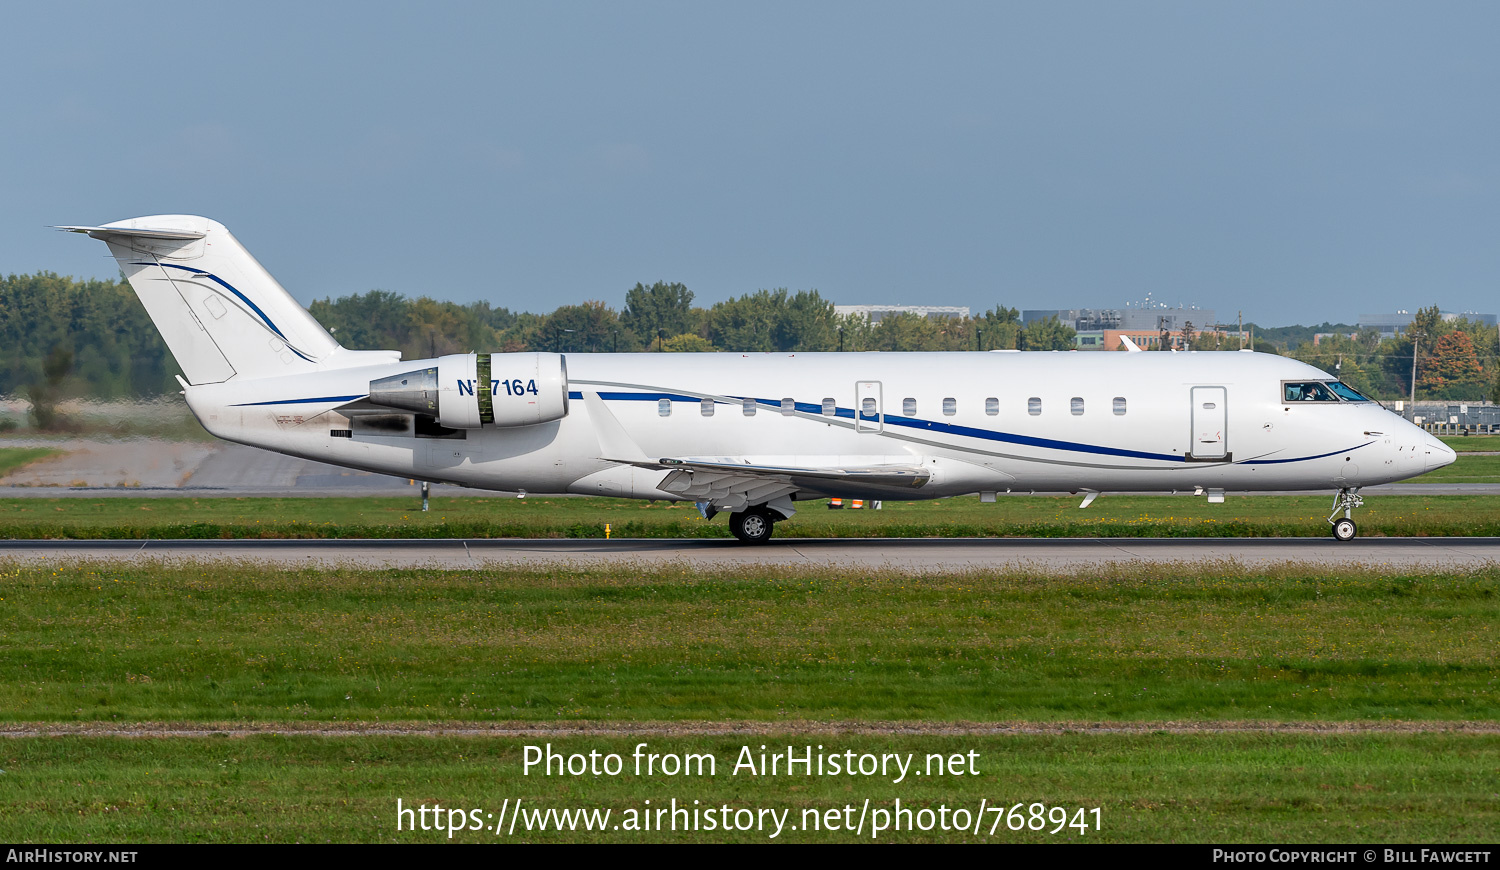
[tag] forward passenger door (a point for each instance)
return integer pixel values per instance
(1210, 424)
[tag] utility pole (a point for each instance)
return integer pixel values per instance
(1416, 338)
(1242, 330)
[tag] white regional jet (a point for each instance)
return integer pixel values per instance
(753, 433)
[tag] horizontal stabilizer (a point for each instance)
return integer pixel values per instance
(132, 232)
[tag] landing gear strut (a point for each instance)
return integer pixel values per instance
(752, 525)
(1346, 501)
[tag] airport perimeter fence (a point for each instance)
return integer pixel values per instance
(1457, 418)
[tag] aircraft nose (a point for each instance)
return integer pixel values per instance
(1437, 453)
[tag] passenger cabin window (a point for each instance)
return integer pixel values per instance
(909, 407)
(1119, 406)
(867, 408)
(830, 407)
(706, 407)
(950, 407)
(1034, 406)
(992, 406)
(1309, 391)
(1076, 406)
(747, 406)
(788, 407)
(664, 407)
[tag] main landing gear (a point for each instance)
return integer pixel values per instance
(752, 525)
(1346, 501)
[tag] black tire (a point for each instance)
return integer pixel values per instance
(1344, 530)
(753, 526)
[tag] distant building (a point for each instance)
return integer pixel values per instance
(1127, 319)
(1103, 328)
(876, 312)
(1396, 323)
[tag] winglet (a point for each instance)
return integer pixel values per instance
(1130, 346)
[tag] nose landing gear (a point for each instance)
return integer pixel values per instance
(1346, 501)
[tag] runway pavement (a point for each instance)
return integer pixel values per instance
(921, 555)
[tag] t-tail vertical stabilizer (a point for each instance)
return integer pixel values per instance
(221, 313)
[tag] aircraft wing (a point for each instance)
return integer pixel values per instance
(734, 485)
(718, 484)
(878, 475)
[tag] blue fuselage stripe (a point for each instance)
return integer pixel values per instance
(243, 298)
(312, 401)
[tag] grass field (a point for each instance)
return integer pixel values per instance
(1468, 469)
(1209, 643)
(784, 654)
(1471, 443)
(12, 458)
(1148, 788)
(1014, 516)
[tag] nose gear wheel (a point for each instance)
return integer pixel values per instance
(1345, 502)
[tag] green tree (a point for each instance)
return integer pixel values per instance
(377, 320)
(118, 351)
(906, 332)
(687, 342)
(592, 327)
(45, 393)
(662, 308)
(775, 320)
(1049, 334)
(1452, 370)
(998, 329)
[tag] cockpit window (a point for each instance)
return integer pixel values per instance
(1347, 393)
(1309, 391)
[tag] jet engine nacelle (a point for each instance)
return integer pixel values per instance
(470, 391)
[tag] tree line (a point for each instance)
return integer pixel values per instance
(1454, 359)
(662, 317)
(64, 337)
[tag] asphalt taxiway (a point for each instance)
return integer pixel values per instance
(909, 555)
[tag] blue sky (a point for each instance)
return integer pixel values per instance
(1297, 161)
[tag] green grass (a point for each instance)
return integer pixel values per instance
(1240, 788)
(1468, 469)
(777, 651)
(12, 458)
(1014, 516)
(1471, 443)
(200, 643)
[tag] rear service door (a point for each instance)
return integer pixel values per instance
(1210, 424)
